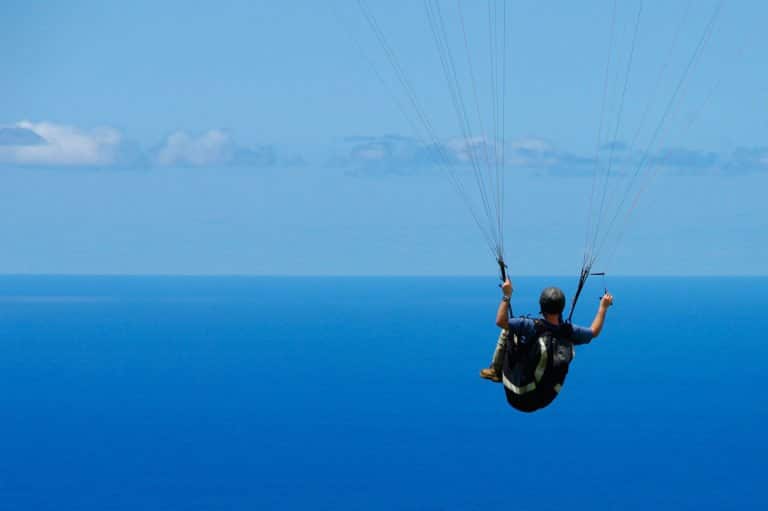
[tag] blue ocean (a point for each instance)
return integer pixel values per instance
(214, 393)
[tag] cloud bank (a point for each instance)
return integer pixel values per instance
(390, 154)
(393, 154)
(46, 144)
(212, 148)
(397, 155)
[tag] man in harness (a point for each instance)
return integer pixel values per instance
(532, 355)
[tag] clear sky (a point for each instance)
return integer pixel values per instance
(252, 137)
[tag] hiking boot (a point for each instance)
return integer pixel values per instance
(490, 374)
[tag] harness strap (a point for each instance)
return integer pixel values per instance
(537, 374)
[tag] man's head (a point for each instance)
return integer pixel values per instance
(552, 301)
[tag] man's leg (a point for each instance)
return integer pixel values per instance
(493, 372)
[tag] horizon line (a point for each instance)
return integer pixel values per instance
(361, 275)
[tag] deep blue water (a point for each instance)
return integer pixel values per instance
(363, 393)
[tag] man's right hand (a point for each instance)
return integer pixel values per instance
(606, 301)
(506, 288)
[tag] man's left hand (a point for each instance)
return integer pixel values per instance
(506, 287)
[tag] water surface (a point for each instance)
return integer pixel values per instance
(182, 393)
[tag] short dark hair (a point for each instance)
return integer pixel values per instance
(552, 301)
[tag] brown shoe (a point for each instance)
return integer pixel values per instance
(490, 374)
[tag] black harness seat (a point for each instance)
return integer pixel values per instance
(535, 368)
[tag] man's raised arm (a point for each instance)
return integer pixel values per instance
(597, 324)
(502, 315)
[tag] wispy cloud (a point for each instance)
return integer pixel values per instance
(388, 154)
(539, 154)
(748, 160)
(47, 144)
(694, 162)
(397, 155)
(180, 148)
(683, 160)
(212, 148)
(393, 154)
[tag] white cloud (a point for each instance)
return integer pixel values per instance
(463, 149)
(401, 155)
(46, 144)
(524, 152)
(63, 145)
(211, 148)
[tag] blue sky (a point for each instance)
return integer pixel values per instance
(256, 138)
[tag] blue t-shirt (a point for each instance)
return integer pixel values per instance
(526, 328)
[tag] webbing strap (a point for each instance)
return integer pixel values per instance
(537, 375)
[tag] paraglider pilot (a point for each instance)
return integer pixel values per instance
(532, 355)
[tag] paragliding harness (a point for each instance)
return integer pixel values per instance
(535, 369)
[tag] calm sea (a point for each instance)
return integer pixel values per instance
(363, 394)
